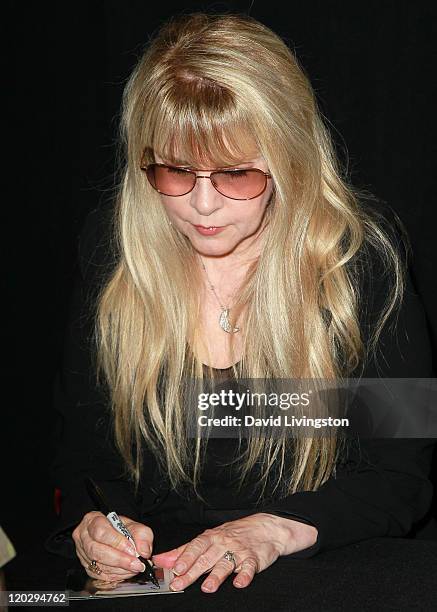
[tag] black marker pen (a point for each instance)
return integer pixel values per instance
(97, 496)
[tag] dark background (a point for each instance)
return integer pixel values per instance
(371, 64)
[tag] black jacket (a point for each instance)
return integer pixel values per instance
(382, 488)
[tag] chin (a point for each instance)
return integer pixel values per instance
(212, 250)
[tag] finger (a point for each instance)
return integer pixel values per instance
(142, 535)
(168, 558)
(221, 570)
(249, 567)
(91, 573)
(110, 556)
(105, 568)
(100, 530)
(115, 571)
(203, 564)
(107, 573)
(192, 551)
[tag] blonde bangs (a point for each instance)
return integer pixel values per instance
(198, 123)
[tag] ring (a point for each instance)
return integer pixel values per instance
(93, 567)
(229, 556)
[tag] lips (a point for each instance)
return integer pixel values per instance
(208, 226)
(209, 230)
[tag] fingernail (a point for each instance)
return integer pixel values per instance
(179, 568)
(208, 586)
(146, 553)
(137, 566)
(176, 585)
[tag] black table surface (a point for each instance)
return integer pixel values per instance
(379, 574)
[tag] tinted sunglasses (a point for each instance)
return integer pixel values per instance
(244, 184)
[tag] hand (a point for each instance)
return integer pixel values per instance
(256, 541)
(96, 539)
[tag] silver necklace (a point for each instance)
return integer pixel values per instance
(224, 315)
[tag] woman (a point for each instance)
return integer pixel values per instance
(235, 249)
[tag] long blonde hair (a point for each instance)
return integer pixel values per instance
(213, 89)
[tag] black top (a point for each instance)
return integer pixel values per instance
(380, 489)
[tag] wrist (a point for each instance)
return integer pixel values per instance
(294, 535)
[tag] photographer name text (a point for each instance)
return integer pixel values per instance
(280, 420)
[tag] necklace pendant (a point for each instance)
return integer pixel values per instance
(225, 324)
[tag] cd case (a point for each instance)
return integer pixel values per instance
(80, 586)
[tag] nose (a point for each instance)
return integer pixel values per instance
(204, 197)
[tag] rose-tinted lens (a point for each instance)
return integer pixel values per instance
(240, 184)
(170, 181)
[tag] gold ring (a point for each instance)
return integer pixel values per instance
(93, 567)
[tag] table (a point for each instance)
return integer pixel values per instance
(376, 575)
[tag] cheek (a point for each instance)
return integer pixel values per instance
(175, 209)
(254, 214)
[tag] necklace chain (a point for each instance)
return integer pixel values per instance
(223, 321)
(211, 286)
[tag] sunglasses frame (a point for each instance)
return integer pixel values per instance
(267, 176)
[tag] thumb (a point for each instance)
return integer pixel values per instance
(168, 559)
